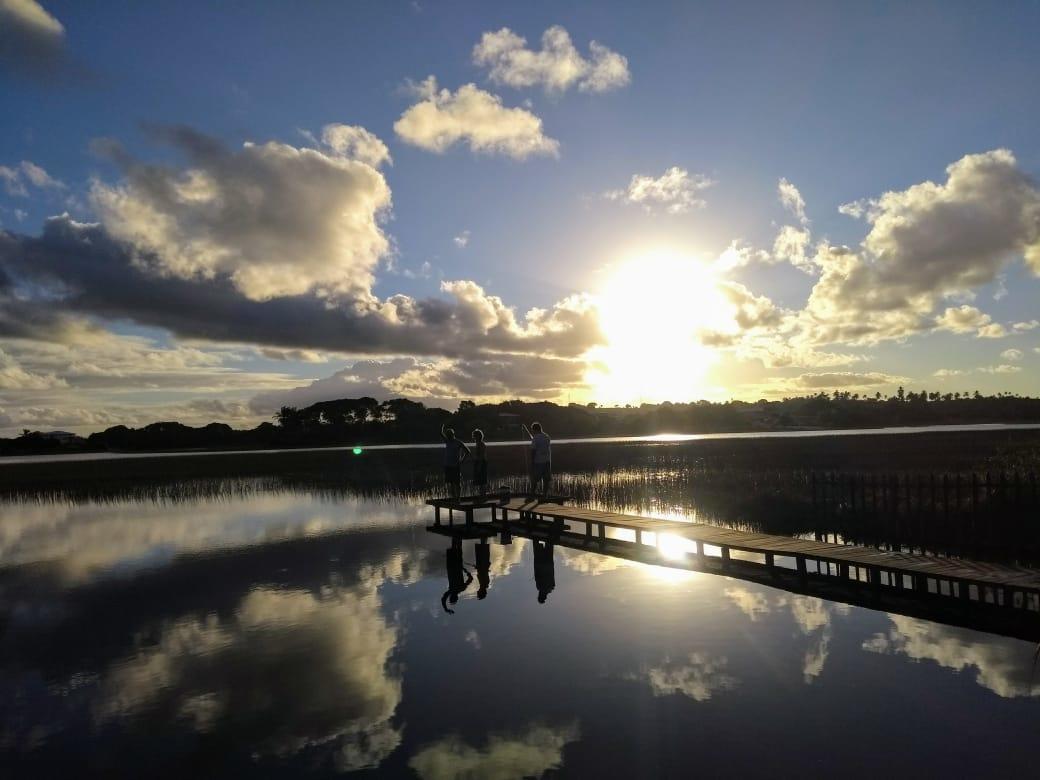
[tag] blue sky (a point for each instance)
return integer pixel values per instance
(843, 103)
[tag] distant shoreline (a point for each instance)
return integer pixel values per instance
(660, 438)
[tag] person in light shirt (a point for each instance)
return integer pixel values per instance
(539, 459)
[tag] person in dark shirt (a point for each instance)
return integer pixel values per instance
(544, 575)
(480, 464)
(539, 459)
(455, 451)
(482, 557)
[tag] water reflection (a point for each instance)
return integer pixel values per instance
(290, 634)
(288, 670)
(997, 666)
(530, 753)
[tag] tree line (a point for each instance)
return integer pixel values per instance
(362, 421)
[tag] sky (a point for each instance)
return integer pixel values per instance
(211, 210)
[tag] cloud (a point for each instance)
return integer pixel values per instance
(16, 180)
(1001, 369)
(1012, 354)
(790, 246)
(792, 200)
(1003, 666)
(436, 382)
(964, 319)
(32, 41)
(362, 378)
(356, 143)
(299, 355)
(322, 677)
(844, 379)
(462, 239)
(531, 753)
(944, 373)
(751, 603)
(925, 243)
(699, 677)
(1023, 327)
(470, 115)
(557, 67)
(14, 377)
(674, 191)
(269, 245)
(273, 219)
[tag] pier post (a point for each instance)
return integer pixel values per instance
(436, 515)
(725, 557)
(802, 571)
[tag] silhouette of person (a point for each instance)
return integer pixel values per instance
(459, 577)
(482, 553)
(455, 451)
(480, 464)
(544, 575)
(539, 459)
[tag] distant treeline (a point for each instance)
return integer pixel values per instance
(360, 421)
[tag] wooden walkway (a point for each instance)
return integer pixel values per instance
(968, 582)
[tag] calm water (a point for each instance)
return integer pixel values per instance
(275, 633)
(665, 438)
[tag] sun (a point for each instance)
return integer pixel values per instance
(653, 310)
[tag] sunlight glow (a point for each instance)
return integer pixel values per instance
(653, 309)
(673, 548)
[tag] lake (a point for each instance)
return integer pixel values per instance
(241, 626)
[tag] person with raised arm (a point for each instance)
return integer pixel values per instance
(539, 459)
(455, 451)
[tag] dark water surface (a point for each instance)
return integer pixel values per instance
(276, 632)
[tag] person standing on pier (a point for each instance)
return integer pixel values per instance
(455, 451)
(480, 464)
(539, 459)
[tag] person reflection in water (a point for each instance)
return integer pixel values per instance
(459, 577)
(544, 576)
(482, 552)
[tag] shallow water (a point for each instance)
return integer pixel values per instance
(276, 632)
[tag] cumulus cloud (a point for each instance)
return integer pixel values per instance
(462, 239)
(269, 245)
(356, 143)
(1024, 327)
(273, 219)
(946, 373)
(532, 752)
(32, 41)
(472, 116)
(965, 319)
(926, 242)
(675, 191)
(557, 67)
(791, 246)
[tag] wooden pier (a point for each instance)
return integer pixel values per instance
(844, 572)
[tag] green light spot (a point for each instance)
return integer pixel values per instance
(357, 450)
